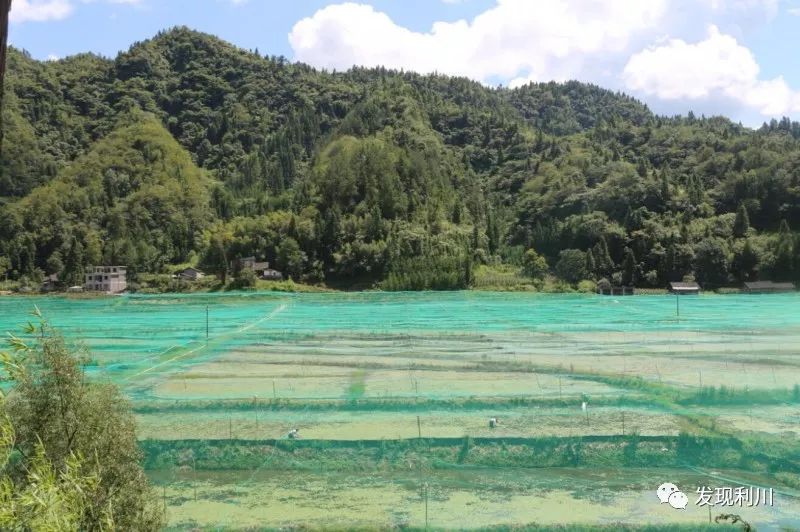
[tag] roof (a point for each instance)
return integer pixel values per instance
(684, 286)
(260, 265)
(188, 270)
(768, 285)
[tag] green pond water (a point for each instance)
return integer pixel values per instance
(149, 323)
(457, 499)
(164, 348)
(134, 333)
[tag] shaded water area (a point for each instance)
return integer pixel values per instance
(232, 368)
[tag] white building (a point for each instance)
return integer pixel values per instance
(106, 279)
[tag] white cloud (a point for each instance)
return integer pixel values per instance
(44, 10)
(537, 40)
(769, 7)
(39, 10)
(794, 11)
(717, 66)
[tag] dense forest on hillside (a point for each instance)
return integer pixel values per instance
(188, 150)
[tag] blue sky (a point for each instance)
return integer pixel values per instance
(731, 57)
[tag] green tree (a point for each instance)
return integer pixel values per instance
(54, 263)
(783, 265)
(468, 276)
(5, 266)
(46, 498)
(215, 259)
(571, 265)
(745, 263)
(602, 258)
(291, 258)
(245, 278)
(58, 415)
(664, 190)
(591, 266)
(534, 265)
(492, 232)
(73, 271)
(742, 222)
(629, 268)
(711, 262)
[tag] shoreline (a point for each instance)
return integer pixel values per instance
(316, 289)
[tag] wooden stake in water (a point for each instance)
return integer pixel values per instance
(623, 423)
(426, 506)
(274, 393)
(194, 474)
(230, 428)
(678, 305)
(206, 323)
(419, 428)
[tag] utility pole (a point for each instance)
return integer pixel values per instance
(5, 9)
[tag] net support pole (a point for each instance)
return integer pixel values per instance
(426, 505)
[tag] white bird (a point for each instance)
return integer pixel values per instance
(583, 406)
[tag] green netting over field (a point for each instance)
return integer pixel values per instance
(351, 370)
(331, 346)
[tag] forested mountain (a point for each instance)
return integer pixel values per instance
(187, 149)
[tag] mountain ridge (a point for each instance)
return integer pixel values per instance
(439, 173)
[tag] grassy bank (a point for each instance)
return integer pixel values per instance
(781, 463)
